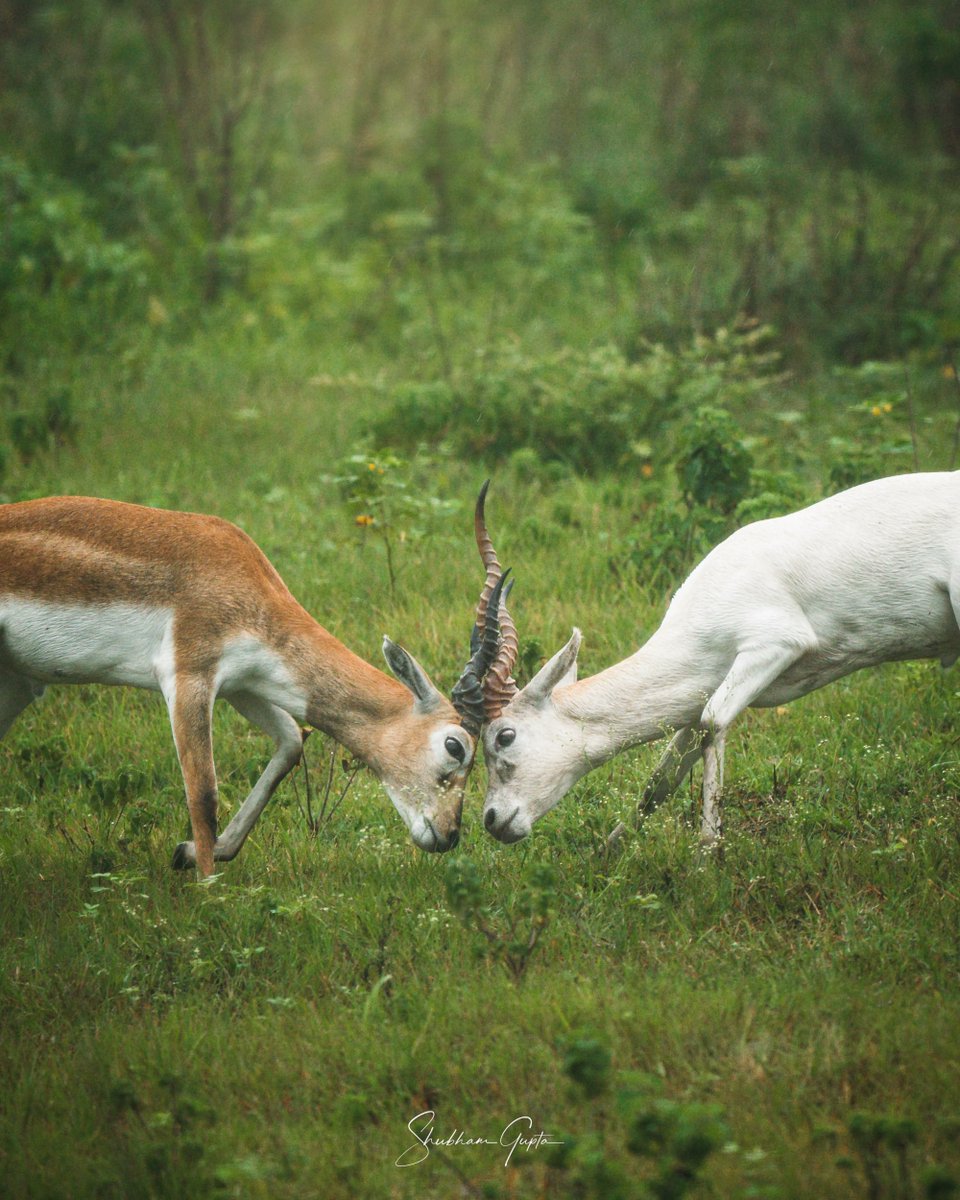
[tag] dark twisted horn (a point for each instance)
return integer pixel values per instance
(486, 687)
(468, 695)
(488, 556)
(499, 686)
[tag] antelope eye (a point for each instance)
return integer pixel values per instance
(454, 747)
(505, 738)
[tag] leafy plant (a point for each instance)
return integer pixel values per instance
(670, 540)
(878, 442)
(714, 473)
(714, 466)
(882, 1145)
(586, 1061)
(32, 433)
(165, 1126)
(672, 1139)
(379, 490)
(511, 937)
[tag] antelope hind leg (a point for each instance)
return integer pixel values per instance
(679, 758)
(16, 694)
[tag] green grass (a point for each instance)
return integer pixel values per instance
(272, 1033)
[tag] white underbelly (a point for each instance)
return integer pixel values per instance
(57, 642)
(815, 670)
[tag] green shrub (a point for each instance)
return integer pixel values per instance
(592, 410)
(714, 465)
(714, 470)
(670, 1141)
(32, 432)
(57, 268)
(510, 934)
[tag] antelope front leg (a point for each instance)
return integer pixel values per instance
(711, 824)
(289, 742)
(191, 711)
(753, 671)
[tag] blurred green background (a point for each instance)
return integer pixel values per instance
(425, 179)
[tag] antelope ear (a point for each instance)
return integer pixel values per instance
(558, 672)
(412, 676)
(570, 677)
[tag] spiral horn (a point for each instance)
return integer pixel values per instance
(486, 686)
(469, 695)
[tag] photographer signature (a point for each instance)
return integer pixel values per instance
(516, 1133)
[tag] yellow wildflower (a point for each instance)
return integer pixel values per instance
(363, 519)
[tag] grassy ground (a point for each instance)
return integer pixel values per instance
(273, 1032)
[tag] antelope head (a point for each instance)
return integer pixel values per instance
(534, 751)
(424, 756)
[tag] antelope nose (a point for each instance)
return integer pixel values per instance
(490, 818)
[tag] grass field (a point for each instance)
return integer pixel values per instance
(272, 1033)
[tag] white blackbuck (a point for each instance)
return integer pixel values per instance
(97, 591)
(782, 607)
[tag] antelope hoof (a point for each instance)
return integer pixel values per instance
(184, 857)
